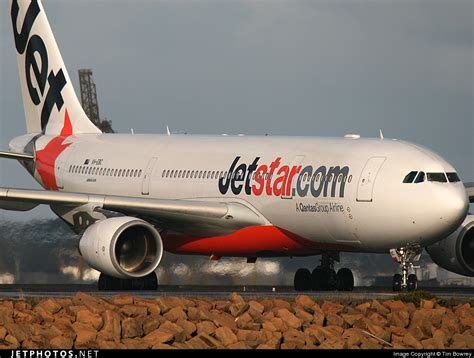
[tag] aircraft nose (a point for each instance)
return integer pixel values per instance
(456, 206)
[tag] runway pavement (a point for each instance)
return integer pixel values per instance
(217, 292)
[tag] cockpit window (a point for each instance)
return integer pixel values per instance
(438, 177)
(453, 177)
(410, 177)
(420, 178)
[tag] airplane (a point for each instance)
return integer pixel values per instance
(134, 196)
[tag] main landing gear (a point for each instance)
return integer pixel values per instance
(324, 277)
(109, 283)
(406, 256)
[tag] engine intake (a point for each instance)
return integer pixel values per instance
(122, 247)
(456, 252)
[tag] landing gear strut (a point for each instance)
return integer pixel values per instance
(324, 277)
(406, 256)
(109, 283)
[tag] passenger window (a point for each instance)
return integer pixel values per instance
(101, 170)
(437, 177)
(140, 173)
(420, 177)
(453, 177)
(410, 177)
(123, 173)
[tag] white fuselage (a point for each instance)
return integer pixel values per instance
(363, 206)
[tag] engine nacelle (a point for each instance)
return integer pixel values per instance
(456, 252)
(122, 247)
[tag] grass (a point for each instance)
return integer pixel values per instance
(414, 297)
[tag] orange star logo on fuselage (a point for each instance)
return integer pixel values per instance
(46, 157)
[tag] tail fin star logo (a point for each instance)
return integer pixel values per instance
(46, 157)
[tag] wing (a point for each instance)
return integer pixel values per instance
(177, 214)
(17, 156)
(470, 191)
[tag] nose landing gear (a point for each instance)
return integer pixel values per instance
(406, 256)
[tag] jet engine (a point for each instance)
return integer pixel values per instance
(122, 247)
(456, 252)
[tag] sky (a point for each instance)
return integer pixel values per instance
(319, 68)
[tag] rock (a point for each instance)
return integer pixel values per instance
(64, 302)
(411, 341)
(223, 319)
(278, 303)
(6, 315)
(417, 332)
(178, 333)
(206, 327)
(267, 304)
(134, 310)
(236, 298)
(428, 304)
(440, 335)
(289, 318)
(351, 318)
(379, 307)
(209, 341)
(319, 318)
(226, 336)
(45, 315)
(433, 315)
(316, 334)
(333, 344)
(85, 334)
(269, 326)
(168, 302)
(26, 317)
(354, 337)
(110, 344)
(462, 310)
(122, 300)
(363, 307)
(137, 343)
(237, 309)
(399, 331)
(61, 342)
(257, 306)
(131, 328)
(238, 345)
(432, 343)
(334, 319)
(196, 343)
(399, 318)
(378, 319)
(394, 305)
(65, 328)
(22, 306)
(13, 342)
(19, 331)
(306, 302)
(467, 321)
(94, 304)
(112, 328)
(151, 323)
(3, 332)
(188, 327)
(162, 346)
(51, 332)
(463, 341)
(256, 316)
(303, 315)
(175, 314)
(378, 331)
(49, 305)
(295, 337)
(158, 336)
(86, 316)
(331, 307)
(72, 310)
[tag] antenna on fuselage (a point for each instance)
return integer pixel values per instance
(168, 131)
(381, 134)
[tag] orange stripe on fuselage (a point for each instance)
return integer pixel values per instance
(249, 242)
